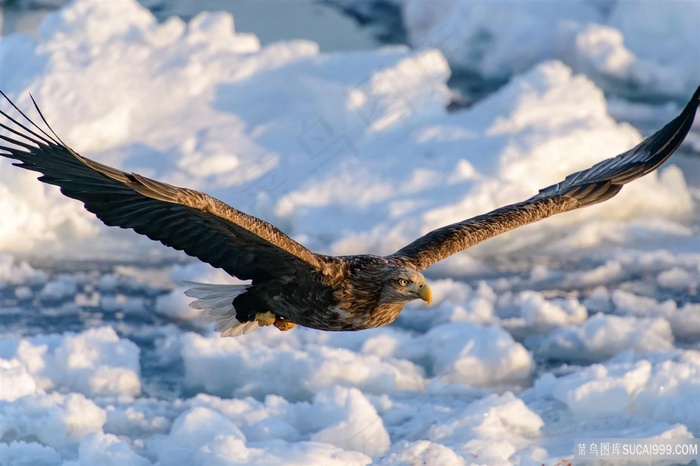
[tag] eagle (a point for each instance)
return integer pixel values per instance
(288, 284)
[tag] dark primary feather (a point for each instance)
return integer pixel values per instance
(184, 219)
(587, 187)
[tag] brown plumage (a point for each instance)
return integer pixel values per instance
(289, 283)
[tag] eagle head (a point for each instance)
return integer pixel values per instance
(402, 284)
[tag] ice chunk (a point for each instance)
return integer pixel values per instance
(93, 362)
(19, 453)
(225, 366)
(492, 429)
(53, 419)
(107, 450)
(357, 425)
(469, 354)
(15, 380)
(603, 336)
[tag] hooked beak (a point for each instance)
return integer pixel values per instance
(425, 293)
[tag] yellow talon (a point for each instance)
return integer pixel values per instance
(284, 324)
(265, 318)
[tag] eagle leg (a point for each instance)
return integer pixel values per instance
(284, 324)
(265, 318)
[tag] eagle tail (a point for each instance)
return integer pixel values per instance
(216, 302)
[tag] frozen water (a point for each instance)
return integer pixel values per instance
(644, 50)
(586, 324)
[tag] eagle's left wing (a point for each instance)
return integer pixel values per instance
(184, 219)
(587, 187)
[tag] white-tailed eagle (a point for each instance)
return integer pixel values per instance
(291, 285)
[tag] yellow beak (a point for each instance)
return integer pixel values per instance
(425, 293)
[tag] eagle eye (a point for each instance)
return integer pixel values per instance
(403, 282)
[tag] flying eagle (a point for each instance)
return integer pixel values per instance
(289, 284)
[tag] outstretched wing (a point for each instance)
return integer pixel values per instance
(587, 187)
(183, 219)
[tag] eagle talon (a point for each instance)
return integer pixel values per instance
(284, 324)
(265, 318)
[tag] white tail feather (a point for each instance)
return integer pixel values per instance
(216, 302)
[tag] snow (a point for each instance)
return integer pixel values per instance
(14, 272)
(52, 419)
(586, 324)
(108, 450)
(468, 354)
(94, 362)
(630, 48)
(16, 381)
(234, 366)
(422, 452)
(502, 423)
(603, 336)
(628, 385)
(391, 101)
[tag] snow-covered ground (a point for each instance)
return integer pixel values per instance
(584, 325)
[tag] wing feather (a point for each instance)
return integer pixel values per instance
(587, 187)
(181, 218)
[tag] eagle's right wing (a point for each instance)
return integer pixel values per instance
(587, 187)
(184, 219)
